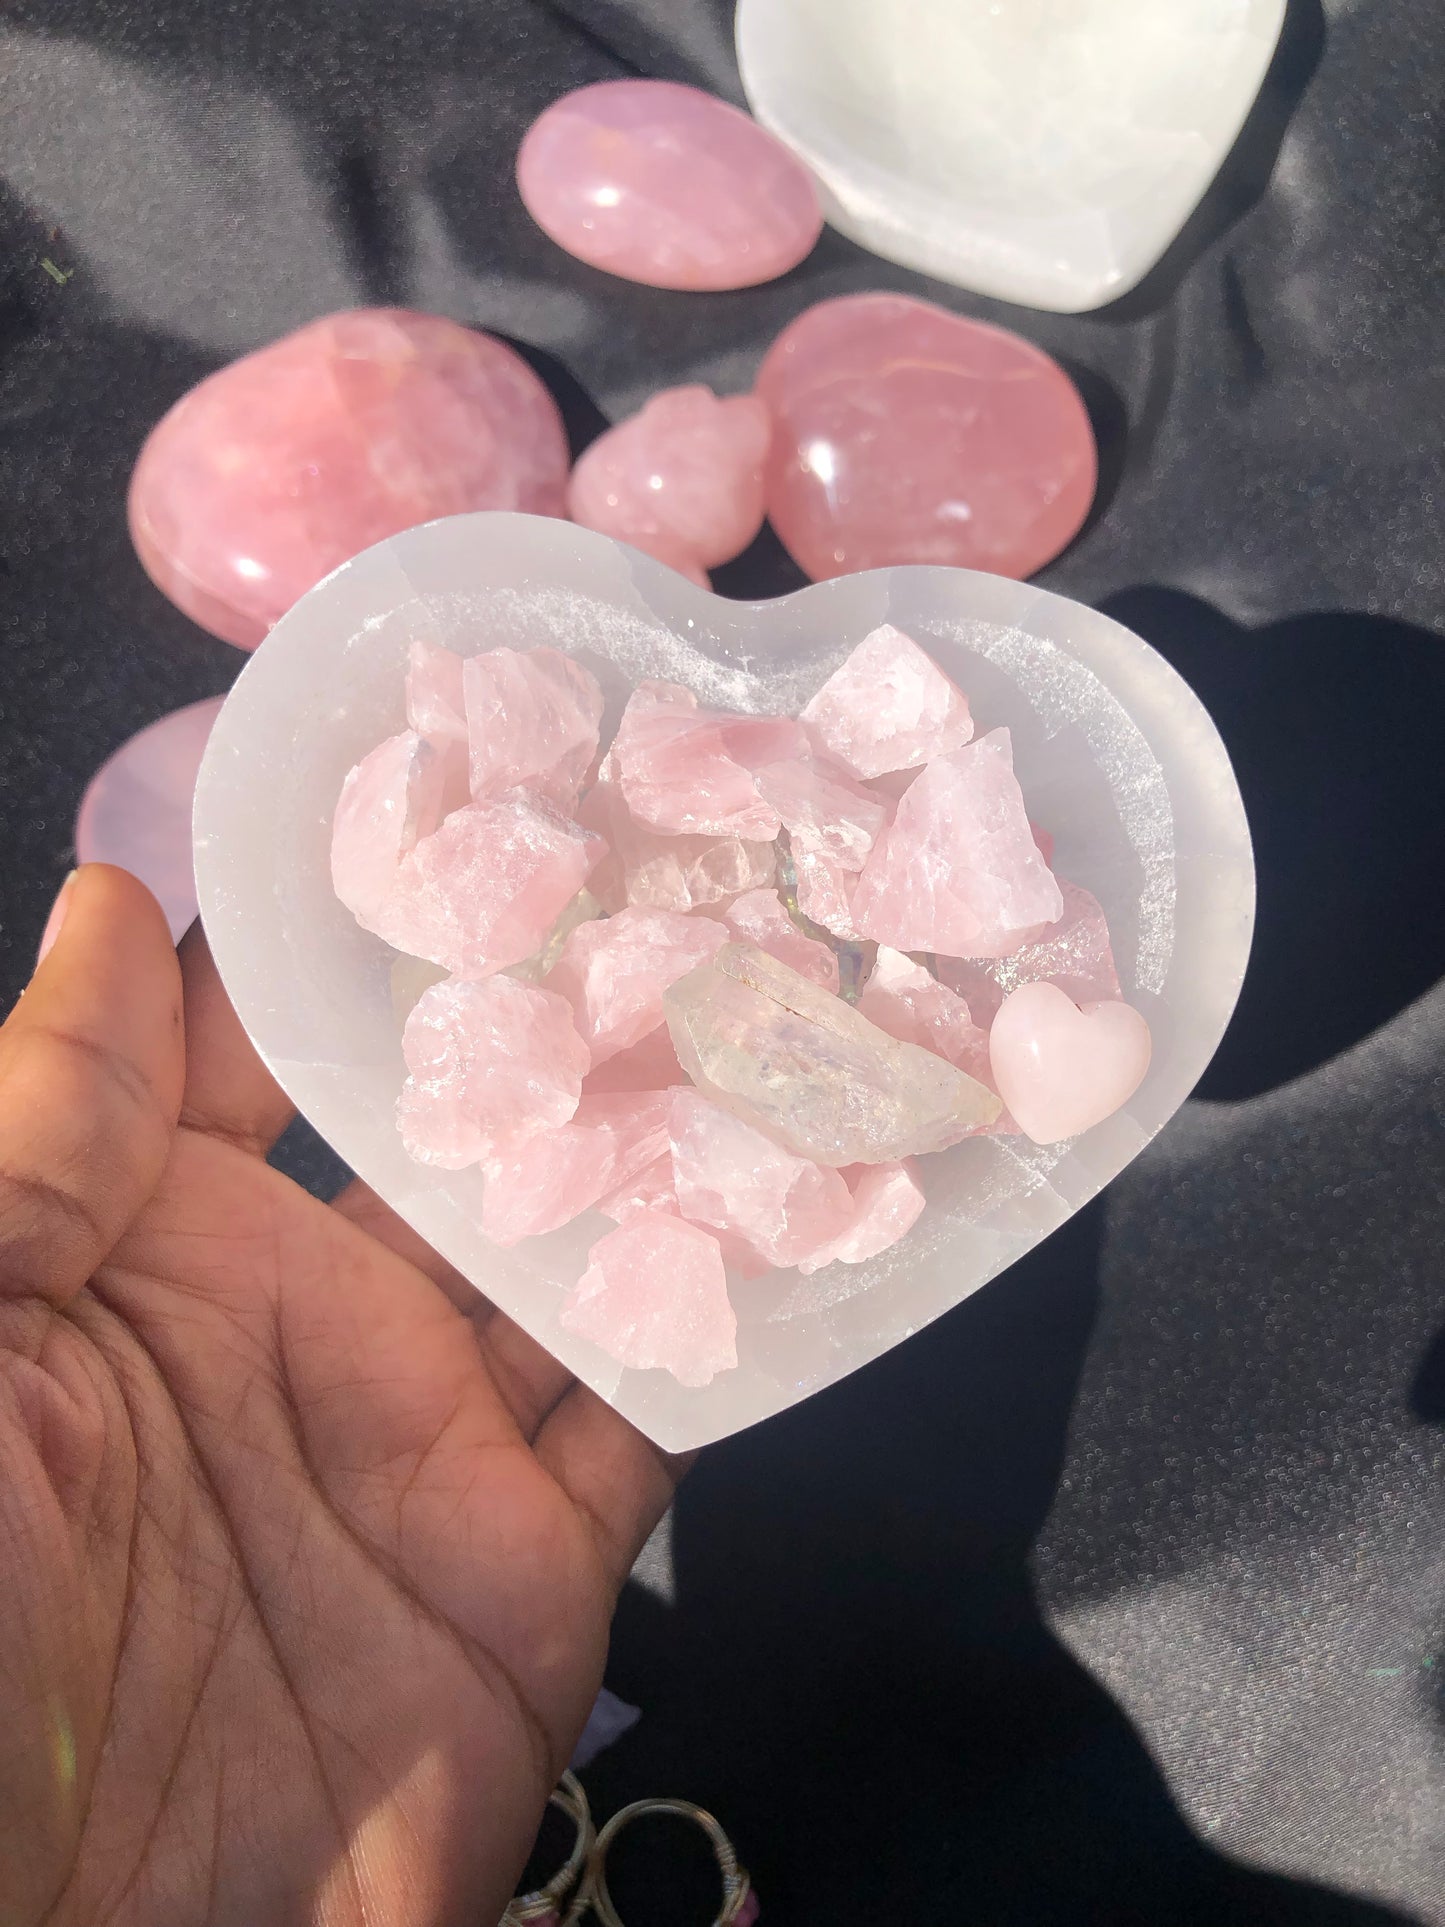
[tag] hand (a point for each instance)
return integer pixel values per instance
(305, 1573)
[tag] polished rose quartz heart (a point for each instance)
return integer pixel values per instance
(1112, 752)
(1061, 1069)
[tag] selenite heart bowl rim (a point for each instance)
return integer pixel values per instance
(1115, 753)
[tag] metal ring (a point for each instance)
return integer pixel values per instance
(736, 1885)
(546, 1902)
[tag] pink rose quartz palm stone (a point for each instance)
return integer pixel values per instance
(887, 1201)
(489, 1063)
(654, 1297)
(732, 1177)
(136, 810)
(485, 889)
(541, 1183)
(668, 872)
(1060, 1069)
(811, 1073)
(276, 469)
(532, 722)
(664, 184)
(759, 917)
(959, 871)
(682, 480)
(613, 972)
(903, 433)
(1074, 953)
(681, 769)
(889, 707)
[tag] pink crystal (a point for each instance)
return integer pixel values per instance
(668, 872)
(959, 871)
(903, 433)
(490, 1063)
(395, 796)
(648, 1065)
(678, 773)
(731, 1177)
(1073, 953)
(750, 1912)
(654, 1297)
(613, 972)
(887, 1202)
(532, 721)
(889, 707)
(136, 810)
(1060, 1069)
(435, 706)
(653, 1188)
(682, 480)
(270, 473)
(825, 893)
(664, 184)
(823, 809)
(908, 1002)
(759, 917)
(485, 889)
(546, 1181)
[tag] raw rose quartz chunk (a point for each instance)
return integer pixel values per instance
(889, 707)
(532, 722)
(614, 971)
(395, 796)
(1061, 1070)
(583, 908)
(273, 471)
(648, 1065)
(887, 1201)
(490, 1062)
(803, 1067)
(904, 999)
(543, 1182)
(825, 893)
(958, 871)
(654, 1297)
(668, 872)
(434, 703)
(903, 433)
(485, 889)
(759, 917)
(731, 1177)
(680, 769)
(824, 810)
(653, 1188)
(682, 480)
(1073, 953)
(667, 185)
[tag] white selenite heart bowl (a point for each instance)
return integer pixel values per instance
(1116, 757)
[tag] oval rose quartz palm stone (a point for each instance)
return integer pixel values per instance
(664, 184)
(681, 480)
(280, 467)
(903, 433)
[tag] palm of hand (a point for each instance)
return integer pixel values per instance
(308, 1575)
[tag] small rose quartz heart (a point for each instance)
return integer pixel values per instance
(1060, 1068)
(1114, 755)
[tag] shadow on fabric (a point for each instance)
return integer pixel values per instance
(855, 1676)
(1332, 724)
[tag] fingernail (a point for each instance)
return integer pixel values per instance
(54, 921)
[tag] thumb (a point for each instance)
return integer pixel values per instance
(92, 1063)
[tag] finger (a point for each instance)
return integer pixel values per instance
(620, 1481)
(229, 1092)
(360, 1204)
(92, 1063)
